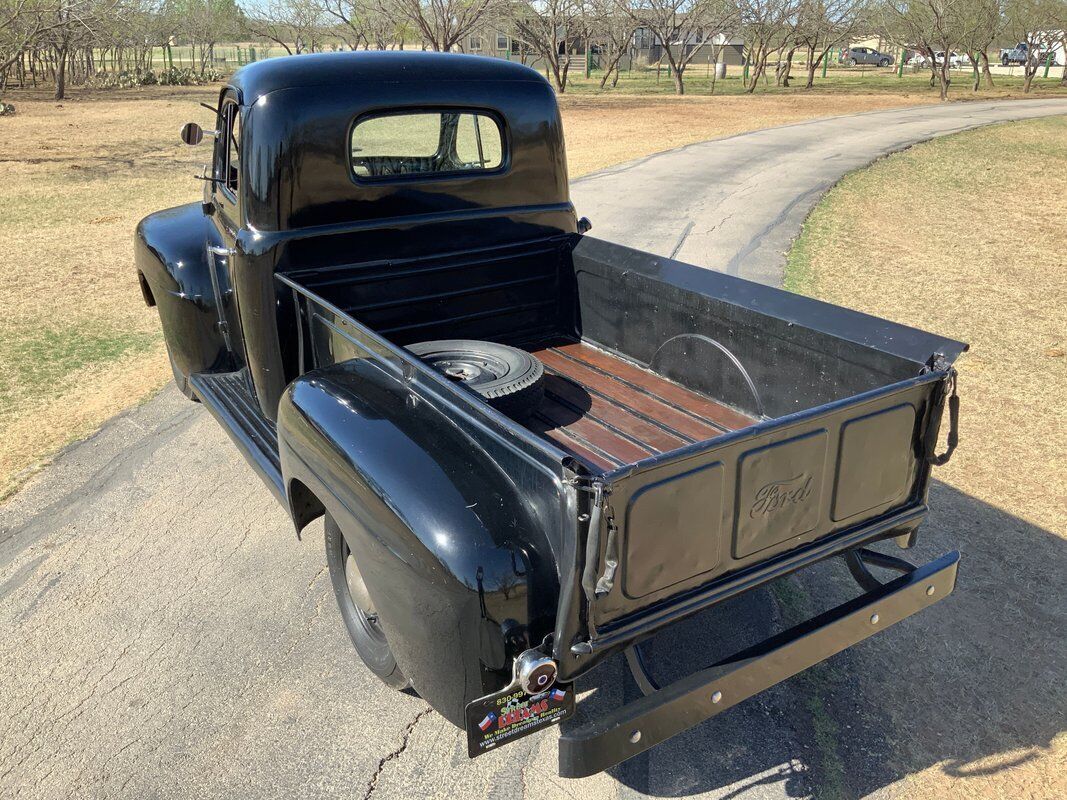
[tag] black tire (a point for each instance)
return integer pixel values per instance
(1004, 61)
(852, 62)
(361, 623)
(180, 380)
(884, 62)
(509, 379)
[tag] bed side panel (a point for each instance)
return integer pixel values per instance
(726, 337)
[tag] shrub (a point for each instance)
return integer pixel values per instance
(174, 76)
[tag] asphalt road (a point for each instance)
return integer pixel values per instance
(736, 204)
(165, 635)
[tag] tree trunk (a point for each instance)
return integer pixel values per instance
(612, 68)
(945, 80)
(676, 71)
(784, 74)
(985, 69)
(977, 72)
(761, 65)
(812, 66)
(61, 74)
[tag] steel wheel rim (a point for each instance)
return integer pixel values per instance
(468, 368)
(358, 596)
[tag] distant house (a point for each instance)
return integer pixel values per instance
(644, 49)
(723, 48)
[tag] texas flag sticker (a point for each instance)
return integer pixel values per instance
(559, 695)
(486, 723)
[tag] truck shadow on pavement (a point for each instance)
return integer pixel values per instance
(972, 686)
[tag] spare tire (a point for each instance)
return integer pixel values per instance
(509, 379)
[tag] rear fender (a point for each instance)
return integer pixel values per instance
(450, 555)
(170, 251)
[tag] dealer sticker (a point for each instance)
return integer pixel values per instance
(510, 714)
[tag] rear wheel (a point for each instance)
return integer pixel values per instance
(357, 610)
(852, 62)
(1004, 61)
(884, 62)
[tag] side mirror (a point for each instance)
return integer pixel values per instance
(192, 133)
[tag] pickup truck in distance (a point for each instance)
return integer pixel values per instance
(1021, 54)
(532, 449)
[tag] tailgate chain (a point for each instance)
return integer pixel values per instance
(606, 582)
(592, 540)
(953, 424)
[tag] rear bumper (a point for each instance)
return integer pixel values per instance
(610, 739)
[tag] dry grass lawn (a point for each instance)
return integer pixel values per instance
(940, 237)
(956, 251)
(77, 343)
(603, 130)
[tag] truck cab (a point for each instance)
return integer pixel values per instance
(533, 449)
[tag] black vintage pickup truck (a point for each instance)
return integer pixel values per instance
(532, 449)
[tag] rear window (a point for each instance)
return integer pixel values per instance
(426, 143)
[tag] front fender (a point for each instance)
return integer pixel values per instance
(170, 251)
(448, 550)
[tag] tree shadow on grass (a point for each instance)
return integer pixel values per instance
(973, 685)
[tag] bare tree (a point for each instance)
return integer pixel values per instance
(23, 23)
(931, 26)
(612, 32)
(683, 27)
(208, 22)
(1035, 24)
(825, 24)
(442, 24)
(301, 23)
(984, 26)
(768, 25)
(549, 28)
(372, 25)
(73, 24)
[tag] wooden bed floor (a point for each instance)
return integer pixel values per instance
(609, 412)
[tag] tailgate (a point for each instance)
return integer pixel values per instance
(672, 528)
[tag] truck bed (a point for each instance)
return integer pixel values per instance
(608, 412)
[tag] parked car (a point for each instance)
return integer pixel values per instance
(1020, 54)
(865, 55)
(532, 448)
(955, 60)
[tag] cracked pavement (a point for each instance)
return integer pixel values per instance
(165, 634)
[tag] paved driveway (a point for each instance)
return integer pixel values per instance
(166, 635)
(736, 204)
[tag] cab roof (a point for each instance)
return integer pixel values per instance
(365, 66)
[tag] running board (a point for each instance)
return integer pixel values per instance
(229, 398)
